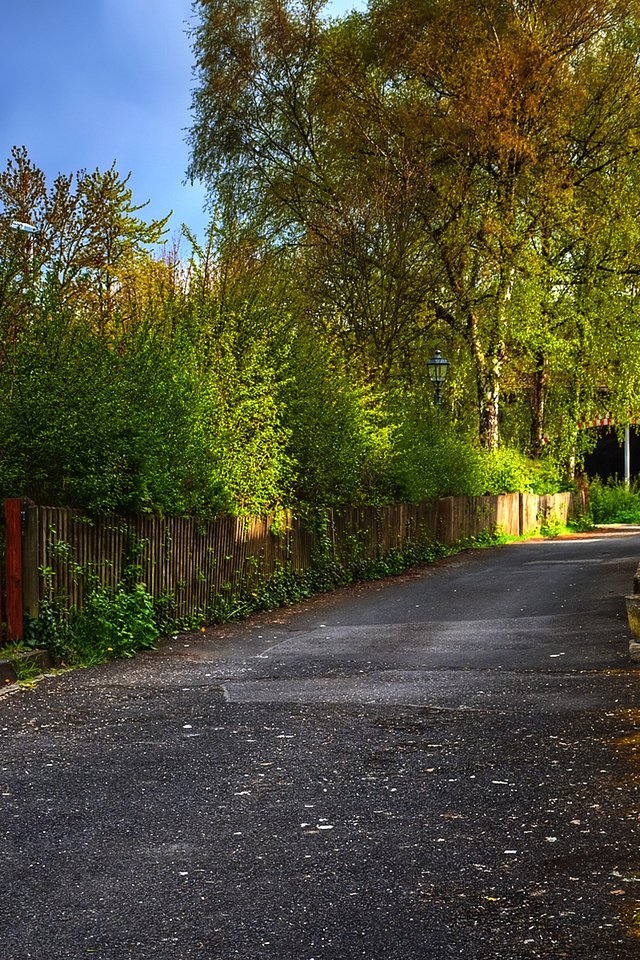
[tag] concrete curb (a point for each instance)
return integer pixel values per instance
(10, 669)
(632, 603)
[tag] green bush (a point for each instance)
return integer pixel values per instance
(195, 406)
(510, 471)
(110, 624)
(431, 462)
(613, 502)
(338, 442)
(114, 624)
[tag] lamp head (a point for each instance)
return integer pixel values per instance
(438, 368)
(22, 227)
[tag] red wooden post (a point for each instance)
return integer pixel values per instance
(13, 559)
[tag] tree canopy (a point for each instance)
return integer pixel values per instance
(138, 379)
(422, 174)
(466, 171)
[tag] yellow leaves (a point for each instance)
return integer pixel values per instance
(498, 90)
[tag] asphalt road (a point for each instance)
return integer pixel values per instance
(441, 765)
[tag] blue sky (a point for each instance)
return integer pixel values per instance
(88, 82)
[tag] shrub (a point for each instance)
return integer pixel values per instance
(614, 502)
(110, 624)
(338, 441)
(430, 463)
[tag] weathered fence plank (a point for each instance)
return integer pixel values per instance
(13, 566)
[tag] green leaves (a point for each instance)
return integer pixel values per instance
(112, 625)
(439, 164)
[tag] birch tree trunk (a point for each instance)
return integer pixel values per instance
(538, 403)
(489, 363)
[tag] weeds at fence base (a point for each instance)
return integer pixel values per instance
(286, 586)
(110, 625)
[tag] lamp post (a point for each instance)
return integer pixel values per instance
(438, 368)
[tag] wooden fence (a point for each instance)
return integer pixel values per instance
(56, 552)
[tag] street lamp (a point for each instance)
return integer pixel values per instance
(438, 368)
(22, 227)
(28, 231)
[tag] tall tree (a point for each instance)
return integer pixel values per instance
(429, 158)
(87, 234)
(478, 109)
(267, 138)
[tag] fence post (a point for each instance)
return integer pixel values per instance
(445, 520)
(521, 502)
(30, 559)
(2, 585)
(13, 560)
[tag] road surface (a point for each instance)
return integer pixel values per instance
(440, 765)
